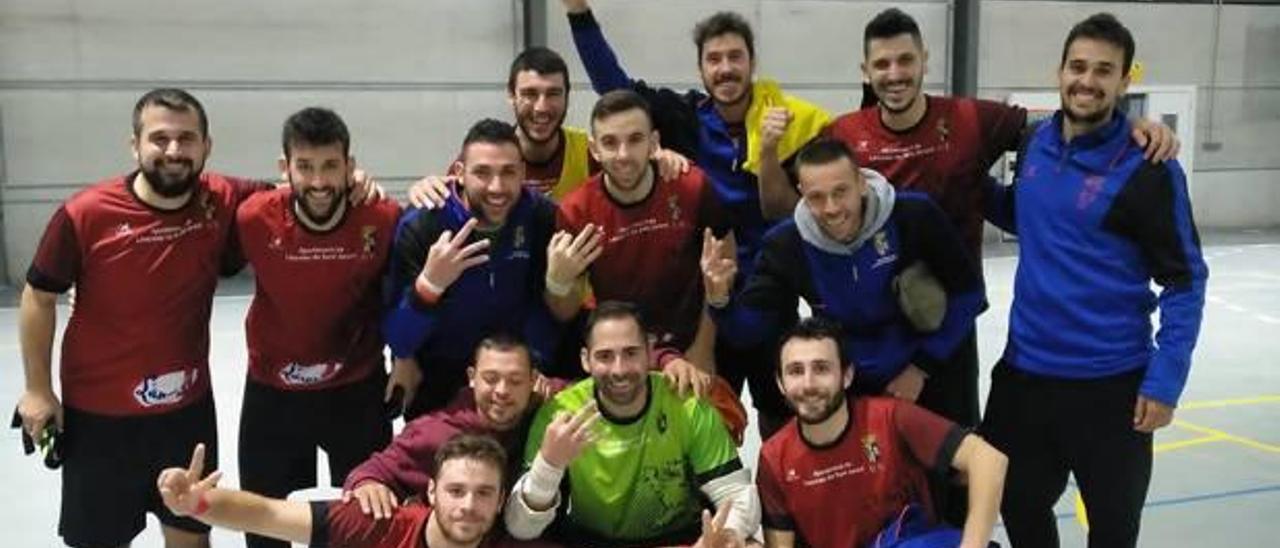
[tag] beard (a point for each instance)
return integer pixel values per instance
(337, 197)
(906, 106)
(1101, 114)
(733, 101)
(525, 121)
(608, 392)
(171, 186)
(453, 535)
(834, 403)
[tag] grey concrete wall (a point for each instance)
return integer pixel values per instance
(1238, 115)
(407, 75)
(812, 47)
(410, 75)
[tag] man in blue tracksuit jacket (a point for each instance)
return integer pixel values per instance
(849, 242)
(713, 126)
(473, 267)
(1082, 383)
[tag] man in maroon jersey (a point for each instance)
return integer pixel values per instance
(316, 370)
(144, 252)
(461, 505)
(944, 147)
(639, 239)
(498, 403)
(838, 472)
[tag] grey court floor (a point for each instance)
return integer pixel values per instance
(1217, 468)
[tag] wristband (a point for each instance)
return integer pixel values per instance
(202, 504)
(430, 293)
(556, 288)
(542, 482)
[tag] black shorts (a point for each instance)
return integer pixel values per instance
(110, 468)
(280, 431)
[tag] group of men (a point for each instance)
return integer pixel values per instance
(665, 252)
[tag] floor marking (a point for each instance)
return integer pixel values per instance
(1214, 404)
(1175, 445)
(1268, 319)
(1228, 437)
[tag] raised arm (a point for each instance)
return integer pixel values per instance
(597, 57)
(186, 493)
(535, 498)
(422, 269)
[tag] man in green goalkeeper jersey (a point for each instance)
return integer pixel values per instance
(633, 458)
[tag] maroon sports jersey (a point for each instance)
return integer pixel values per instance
(315, 320)
(651, 249)
(947, 155)
(137, 342)
(842, 494)
(342, 524)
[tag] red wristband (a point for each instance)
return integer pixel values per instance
(424, 290)
(202, 504)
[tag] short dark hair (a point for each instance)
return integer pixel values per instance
(541, 60)
(504, 341)
(615, 310)
(1103, 27)
(475, 447)
(491, 131)
(887, 24)
(172, 99)
(618, 101)
(720, 24)
(814, 328)
(823, 151)
(315, 126)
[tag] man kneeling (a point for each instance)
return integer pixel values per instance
(842, 470)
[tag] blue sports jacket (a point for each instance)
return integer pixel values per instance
(1096, 224)
(856, 291)
(503, 294)
(690, 125)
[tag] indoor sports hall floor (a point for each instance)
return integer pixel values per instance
(1217, 468)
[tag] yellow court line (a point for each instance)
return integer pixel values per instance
(1082, 516)
(1172, 445)
(1228, 437)
(1214, 404)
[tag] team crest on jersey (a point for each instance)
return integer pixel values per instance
(792, 476)
(166, 389)
(124, 229)
(673, 204)
(944, 130)
(518, 240)
(881, 242)
(297, 374)
(871, 447)
(207, 207)
(368, 235)
(662, 423)
(862, 145)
